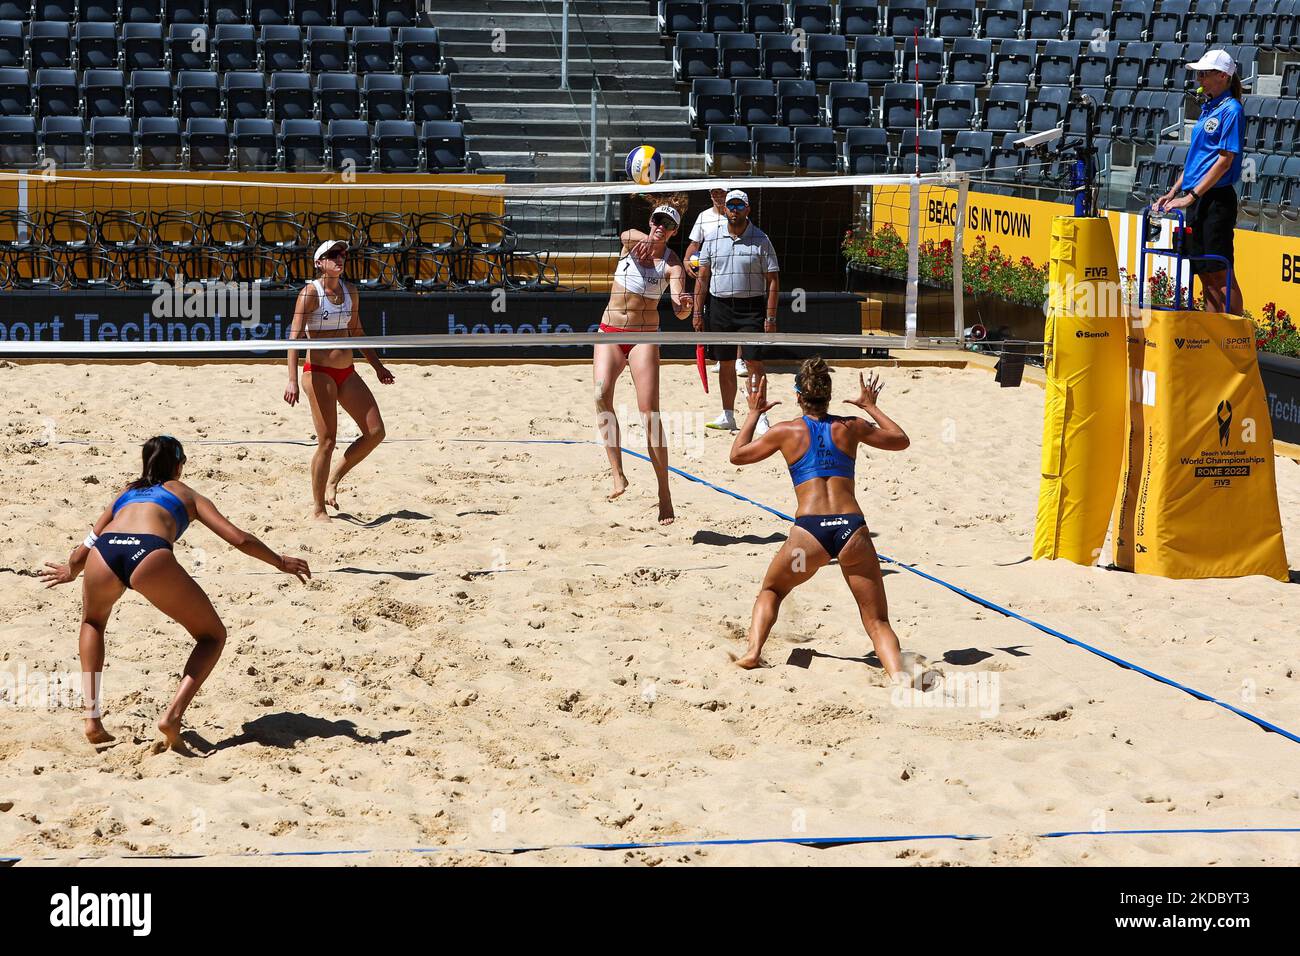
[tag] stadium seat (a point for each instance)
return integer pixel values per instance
(151, 94)
(764, 17)
(383, 97)
(227, 11)
(62, 140)
(814, 150)
(772, 150)
(313, 13)
(1159, 69)
(682, 16)
(183, 11)
(18, 142)
(112, 143)
(971, 150)
(1091, 19)
(971, 61)
(235, 47)
(142, 11)
(354, 13)
(1005, 161)
(929, 153)
(431, 98)
(1046, 19)
(738, 55)
(444, 146)
(1096, 64)
(338, 97)
(727, 150)
(954, 19)
(1005, 106)
(828, 57)
(1129, 22)
(1001, 19)
(812, 16)
(94, 45)
(266, 13)
(898, 107)
(255, 145)
(419, 50)
(780, 57)
(860, 18)
(197, 94)
(19, 11)
(1014, 61)
(1199, 21)
(15, 92)
(396, 14)
(244, 94)
(905, 18)
(922, 60)
(103, 93)
(397, 146)
(207, 144)
(373, 50)
(954, 106)
(13, 47)
(866, 152)
(291, 97)
(724, 16)
(142, 47)
(712, 101)
(327, 50)
(695, 55)
(849, 105)
(160, 142)
(800, 105)
(756, 103)
(64, 11)
(1166, 23)
(50, 45)
(1056, 64)
(282, 49)
(1048, 108)
(874, 60)
(56, 93)
(188, 50)
(302, 144)
(1130, 65)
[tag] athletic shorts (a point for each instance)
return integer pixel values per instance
(1212, 219)
(739, 314)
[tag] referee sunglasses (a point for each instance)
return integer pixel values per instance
(737, 204)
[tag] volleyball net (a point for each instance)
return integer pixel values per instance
(113, 263)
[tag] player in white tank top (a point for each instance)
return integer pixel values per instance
(330, 375)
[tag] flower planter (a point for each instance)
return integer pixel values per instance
(1281, 376)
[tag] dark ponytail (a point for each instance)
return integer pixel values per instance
(162, 455)
(813, 383)
(1236, 87)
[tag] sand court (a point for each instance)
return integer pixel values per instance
(492, 655)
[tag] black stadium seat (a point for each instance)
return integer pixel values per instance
(373, 50)
(185, 11)
(57, 93)
(313, 13)
(928, 150)
(905, 18)
(255, 145)
(227, 11)
(680, 16)
(302, 143)
(756, 103)
(444, 145)
(922, 60)
(327, 50)
(419, 50)
(738, 55)
(712, 102)
(18, 10)
(397, 145)
(160, 143)
(772, 150)
(1129, 22)
(63, 141)
(197, 94)
(726, 150)
(282, 49)
(50, 44)
(141, 11)
(781, 57)
(244, 93)
(12, 46)
(188, 51)
(235, 46)
(866, 152)
(1046, 19)
(762, 16)
(971, 150)
(95, 46)
(142, 47)
(849, 105)
(15, 92)
(112, 142)
(396, 13)
(812, 16)
(265, 13)
(354, 13)
(828, 58)
(338, 97)
(874, 60)
(18, 142)
(814, 150)
(431, 98)
(151, 94)
(954, 106)
(1014, 61)
(799, 103)
(349, 145)
(207, 144)
(1056, 64)
(1091, 19)
(291, 97)
(724, 16)
(898, 107)
(695, 55)
(104, 93)
(1001, 19)
(383, 97)
(61, 10)
(954, 19)
(971, 61)
(860, 18)
(1005, 106)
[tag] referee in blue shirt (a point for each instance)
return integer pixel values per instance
(1206, 188)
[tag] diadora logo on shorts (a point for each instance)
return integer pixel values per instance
(1190, 344)
(834, 522)
(123, 540)
(1085, 334)
(1237, 342)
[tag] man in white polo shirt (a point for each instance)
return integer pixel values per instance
(706, 224)
(739, 278)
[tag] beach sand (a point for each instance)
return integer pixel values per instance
(581, 691)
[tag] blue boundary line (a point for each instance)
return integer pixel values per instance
(811, 842)
(983, 602)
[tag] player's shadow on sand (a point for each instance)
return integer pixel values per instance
(384, 519)
(722, 540)
(803, 657)
(286, 729)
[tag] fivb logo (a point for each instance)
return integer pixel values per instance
(208, 300)
(76, 909)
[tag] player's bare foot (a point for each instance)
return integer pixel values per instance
(96, 733)
(319, 514)
(332, 493)
(749, 661)
(170, 728)
(620, 486)
(666, 516)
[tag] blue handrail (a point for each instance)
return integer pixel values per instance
(1175, 253)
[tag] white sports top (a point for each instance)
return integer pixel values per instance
(649, 281)
(328, 317)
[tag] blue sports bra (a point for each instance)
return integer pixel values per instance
(822, 459)
(158, 495)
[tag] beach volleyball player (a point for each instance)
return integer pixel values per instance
(646, 270)
(130, 547)
(819, 450)
(328, 307)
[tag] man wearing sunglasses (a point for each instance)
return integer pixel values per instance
(739, 279)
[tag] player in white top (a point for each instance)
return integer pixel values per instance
(646, 270)
(327, 308)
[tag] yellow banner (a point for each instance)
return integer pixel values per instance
(1018, 227)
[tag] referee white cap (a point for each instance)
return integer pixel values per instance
(738, 194)
(1215, 60)
(329, 246)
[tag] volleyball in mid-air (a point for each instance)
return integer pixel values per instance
(645, 165)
